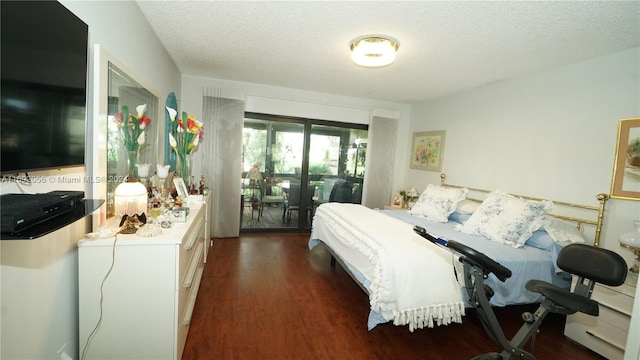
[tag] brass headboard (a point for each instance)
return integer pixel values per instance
(595, 220)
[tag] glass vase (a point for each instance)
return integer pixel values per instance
(631, 241)
(132, 162)
(405, 202)
(183, 166)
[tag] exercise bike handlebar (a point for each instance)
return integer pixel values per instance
(470, 255)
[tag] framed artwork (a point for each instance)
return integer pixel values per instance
(427, 150)
(396, 202)
(181, 187)
(625, 182)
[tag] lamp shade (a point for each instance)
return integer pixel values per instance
(373, 51)
(631, 239)
(162, 171)
(143, 170)
(130, 199)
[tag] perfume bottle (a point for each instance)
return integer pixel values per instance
(192, 190)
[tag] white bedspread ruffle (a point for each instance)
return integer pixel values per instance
(413, 280)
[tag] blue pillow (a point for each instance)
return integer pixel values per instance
(542, 240)
(459, 217)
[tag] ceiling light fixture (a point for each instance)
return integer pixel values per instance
(373, 50)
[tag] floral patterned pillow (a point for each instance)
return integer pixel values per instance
(506, 219)
(437, 202)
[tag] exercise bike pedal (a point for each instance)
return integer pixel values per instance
(528, 317)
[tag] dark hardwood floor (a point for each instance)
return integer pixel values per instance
(270, 297)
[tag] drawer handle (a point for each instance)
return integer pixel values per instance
(604, 340)
(191, 301)
(194, 235)
(193, 265)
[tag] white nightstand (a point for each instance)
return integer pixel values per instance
(605, 334)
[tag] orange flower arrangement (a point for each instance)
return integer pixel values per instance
(183, 138)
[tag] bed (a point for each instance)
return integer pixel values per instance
(413, 282)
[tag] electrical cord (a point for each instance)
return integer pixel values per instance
(20, 181)
(99, 322)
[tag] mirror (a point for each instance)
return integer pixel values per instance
(124, 90)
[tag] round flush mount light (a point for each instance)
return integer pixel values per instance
(373, 50)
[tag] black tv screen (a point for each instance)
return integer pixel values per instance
(44, 49)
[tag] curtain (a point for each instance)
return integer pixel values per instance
(381, 150)
(221, 160)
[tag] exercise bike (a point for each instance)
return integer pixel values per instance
(590, 264)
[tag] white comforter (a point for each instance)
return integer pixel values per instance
(397, 255)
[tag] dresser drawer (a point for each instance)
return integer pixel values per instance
(599, 336)
(190, 259)
(189, 286)
(188, 249)
(188, 293)
(607, 333)
(612, 299)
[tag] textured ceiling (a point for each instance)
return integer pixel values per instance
(445, 47)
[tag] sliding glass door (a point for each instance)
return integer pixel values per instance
(336, 163)
(272, 158)
(291, 166)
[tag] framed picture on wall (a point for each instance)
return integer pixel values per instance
(427, 150)
(625, 182)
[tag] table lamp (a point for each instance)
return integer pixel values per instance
(130, 205)
(162, 171)
(143, 172)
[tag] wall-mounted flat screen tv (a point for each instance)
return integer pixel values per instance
(44, 52)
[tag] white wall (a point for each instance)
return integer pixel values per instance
(292, 102)
(38, 302)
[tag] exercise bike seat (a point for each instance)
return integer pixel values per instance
(587, 262)
(567, 301)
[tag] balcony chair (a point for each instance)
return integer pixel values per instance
(342, 192)
(293, 203)
(268, 199)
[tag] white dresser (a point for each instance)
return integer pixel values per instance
(605, 334)
(148, 295)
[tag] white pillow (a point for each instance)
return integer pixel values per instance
(436, 203)
(506, 219)
(563, 232)
(467, 206)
